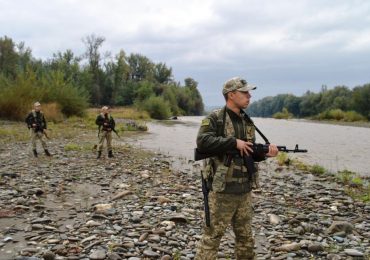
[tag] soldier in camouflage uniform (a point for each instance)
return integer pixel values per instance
(37, 125)
(106, 125)
(230, 199)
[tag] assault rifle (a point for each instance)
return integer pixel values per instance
(38, 128)
(113, 129)
(259, 154)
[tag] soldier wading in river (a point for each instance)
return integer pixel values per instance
(230, 198)
(37, 124)
(106, 125)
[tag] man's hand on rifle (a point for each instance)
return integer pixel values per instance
(273, 150)
(244, 147)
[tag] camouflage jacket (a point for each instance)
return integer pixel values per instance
(217, 134)
(37, 118)
(101, 119)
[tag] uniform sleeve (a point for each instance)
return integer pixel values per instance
(28, 120)
(99, 120)
(208, 141)
(113, 123)
(44, 122)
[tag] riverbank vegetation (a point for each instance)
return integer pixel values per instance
(73, 82)
(356, 186)
(340, 103)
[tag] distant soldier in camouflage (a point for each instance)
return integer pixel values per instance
(230, 199)
(106, 125)
(37, 125)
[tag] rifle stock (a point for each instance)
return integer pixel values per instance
(257, 148)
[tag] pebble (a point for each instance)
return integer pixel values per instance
(135, 206)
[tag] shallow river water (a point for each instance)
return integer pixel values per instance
(335, 147)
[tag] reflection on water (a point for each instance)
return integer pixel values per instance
(335, 147)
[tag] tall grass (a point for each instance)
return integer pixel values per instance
(156, 106)
(340, 115)
(17, 96)
(284, 114)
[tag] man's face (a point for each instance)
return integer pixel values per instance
(37, 108)
(240, 99)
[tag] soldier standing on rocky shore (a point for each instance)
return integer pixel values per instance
(230, 198)
(37, 125)
(106, 125)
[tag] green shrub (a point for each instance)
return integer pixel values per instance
(157, 107)
(352, 116)
(283, 159)
(317, 169)
(345, 176)
(284, 114)
(17, 96)
(340, 115)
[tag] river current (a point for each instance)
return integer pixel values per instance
(335, 147)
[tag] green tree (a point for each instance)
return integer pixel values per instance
(140, 67)
(93, 43)
(361, 100)
(8, 57)
(162, 74)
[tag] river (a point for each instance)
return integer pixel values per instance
(335, 147)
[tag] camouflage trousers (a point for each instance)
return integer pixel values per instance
(225, 209)
(37, 136)
(105, 135)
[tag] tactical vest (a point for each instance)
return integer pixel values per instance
(109, 121)
(234, 179)
(39, 121)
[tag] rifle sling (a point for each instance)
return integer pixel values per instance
(221, 132)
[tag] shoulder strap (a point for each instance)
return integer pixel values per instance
(221, 118)
(246, 117)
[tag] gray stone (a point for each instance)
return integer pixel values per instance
(150, 253)
(98, 254)
(353, 252)
(338, 226)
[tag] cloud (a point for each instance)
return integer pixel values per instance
(283, 46)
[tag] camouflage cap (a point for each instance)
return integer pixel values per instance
(238, 84)
(104, 108)
(36, 104)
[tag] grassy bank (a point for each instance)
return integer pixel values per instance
(127, 119)
(355, 185)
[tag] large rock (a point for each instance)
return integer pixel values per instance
(339, 226)
(98, 255)
(289, 247)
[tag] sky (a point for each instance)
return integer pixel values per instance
(281, 46)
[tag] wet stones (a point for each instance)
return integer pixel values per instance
(139, 208)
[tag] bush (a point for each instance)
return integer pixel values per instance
(352, 116)
(284, 114)
(340, 115)
(17, 97)
(52, 112)
(317, 169)
(157, 107)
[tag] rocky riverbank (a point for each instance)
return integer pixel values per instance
(135, 206)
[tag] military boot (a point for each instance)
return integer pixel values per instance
(99, 155)
(34, 152)
(110, 154)
(47, 152)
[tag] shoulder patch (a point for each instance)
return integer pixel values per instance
(205, 122)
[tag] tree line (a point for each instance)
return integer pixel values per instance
(75, 82)
(339, 103)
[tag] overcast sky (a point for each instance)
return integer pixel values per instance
(282, 46)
